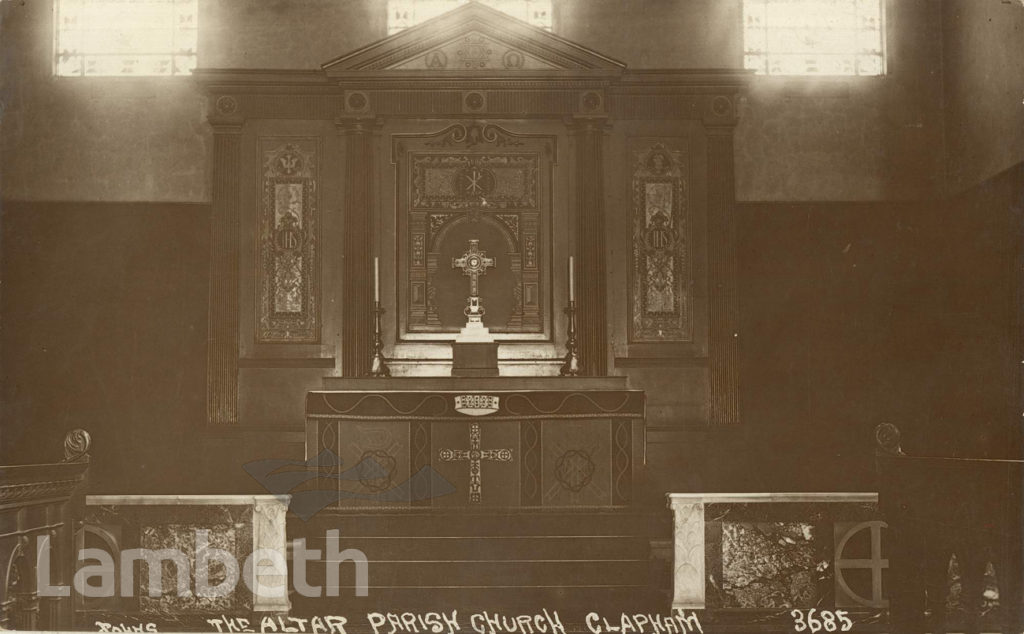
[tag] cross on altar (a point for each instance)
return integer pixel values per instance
(475, 455)
(473, 263)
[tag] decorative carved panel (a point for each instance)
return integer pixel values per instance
(660, 286)
(475, 51)
(288, 307)
(473, 181)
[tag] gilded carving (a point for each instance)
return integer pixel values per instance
(480, 178)
(511, 221)
(475, 455)
(288, 293)
(436, 59)
(574, 469)
(462, 181)
(475, 51)
(513, 60)
(660, 282)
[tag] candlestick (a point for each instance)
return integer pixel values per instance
(572, 281)
(571, 365)
(376, 279)
(378, 365)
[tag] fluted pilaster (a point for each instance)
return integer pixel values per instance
(589, 226)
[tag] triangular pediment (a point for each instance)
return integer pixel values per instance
(472, 38)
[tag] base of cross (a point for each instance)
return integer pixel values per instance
(474, 359)
(474, 332)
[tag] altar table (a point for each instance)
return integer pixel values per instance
(474, 442)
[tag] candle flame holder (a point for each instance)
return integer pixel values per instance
(378, 365)
(571, 365)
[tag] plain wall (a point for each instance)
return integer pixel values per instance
(984, 89)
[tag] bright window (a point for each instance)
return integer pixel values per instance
(405, 13)
(125, 37)
(814, 37)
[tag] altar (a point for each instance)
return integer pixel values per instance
(500, 267)
(480, 442)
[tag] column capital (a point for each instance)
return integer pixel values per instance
(225, 126)
(224, 114)
(358, 125)
(720, 113)
(588, 124)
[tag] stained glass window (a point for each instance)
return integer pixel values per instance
(814, 37)
(405, 13)
(125, 37)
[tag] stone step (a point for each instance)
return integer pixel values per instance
(474, 523)
(572, 603)
(386, 548)
(411, 574)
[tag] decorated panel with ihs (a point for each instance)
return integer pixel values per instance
(660, 285)
(288, 293)
(473, 181)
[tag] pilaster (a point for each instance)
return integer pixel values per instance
(222, 355)
(357, 245)
(588, 222)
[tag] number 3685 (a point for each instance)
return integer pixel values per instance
(824, 621)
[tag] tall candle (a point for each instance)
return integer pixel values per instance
(572, 281)
(376, 279)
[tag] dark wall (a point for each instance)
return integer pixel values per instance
(819, 284)
(856, 314)
(104, 328)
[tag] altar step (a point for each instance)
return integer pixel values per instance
(574, 562)
(457, 548)
(472, 523)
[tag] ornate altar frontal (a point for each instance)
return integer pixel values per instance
(499, 442)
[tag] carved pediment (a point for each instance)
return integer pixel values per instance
(472, 38)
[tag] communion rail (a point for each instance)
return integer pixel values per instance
(940, 507)
(38, 505)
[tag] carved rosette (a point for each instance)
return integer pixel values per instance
(288, 280)
(661, 277)
(887, 440)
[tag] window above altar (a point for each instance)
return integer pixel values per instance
(814, 37)
(125, 38)
(405, 13)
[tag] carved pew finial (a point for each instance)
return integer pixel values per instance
(887, 440)
(76, 446)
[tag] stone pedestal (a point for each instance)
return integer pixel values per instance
(757, 550)
(248, 528)
(474, 358)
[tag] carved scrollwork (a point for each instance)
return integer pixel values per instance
(887, 440)
(37, 490)
(76, 446)
(475, 134)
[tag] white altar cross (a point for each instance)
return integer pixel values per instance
(473, 263)
(475, 455)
